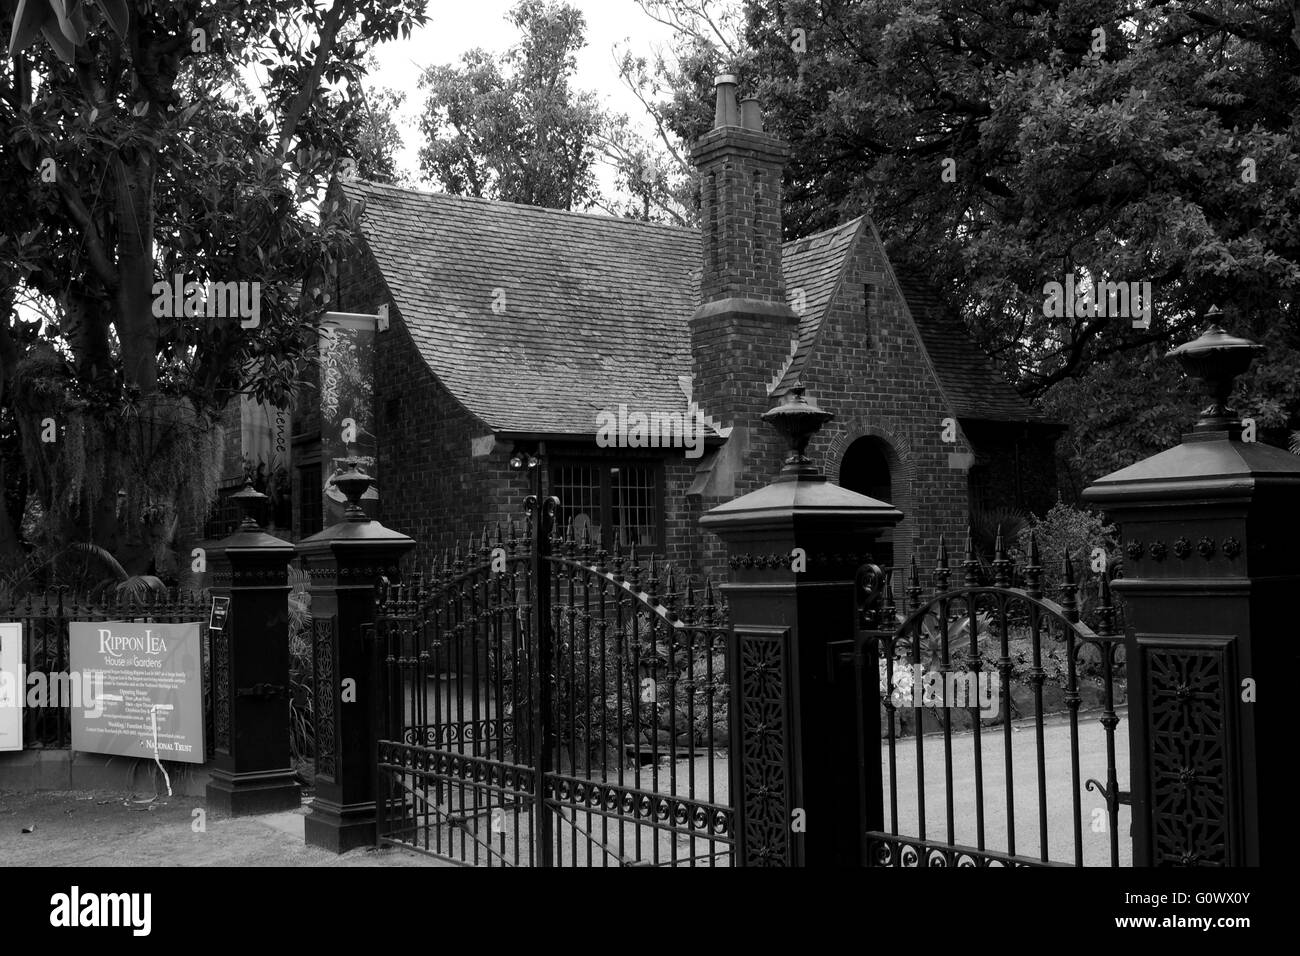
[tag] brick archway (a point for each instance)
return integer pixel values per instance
(902, 478)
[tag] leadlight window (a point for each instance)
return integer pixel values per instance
(224, 517)
(620, 502)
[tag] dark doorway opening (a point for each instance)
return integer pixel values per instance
(865, 469)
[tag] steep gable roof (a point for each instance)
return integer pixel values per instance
(591, 311)
(814, 268)
(975, 388)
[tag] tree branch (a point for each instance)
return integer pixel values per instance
(324, 47)
(100, 261)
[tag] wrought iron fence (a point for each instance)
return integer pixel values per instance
(565, 709)
(45, 617)
(964, 641)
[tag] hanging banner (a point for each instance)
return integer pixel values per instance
(152, 689)
(265, 440)
(347, 409)
(12, 687)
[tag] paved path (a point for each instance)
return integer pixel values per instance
(1025, 793)
(104, 828)
(92, 828)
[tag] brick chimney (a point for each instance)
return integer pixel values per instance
(741, 333)
(740, 182)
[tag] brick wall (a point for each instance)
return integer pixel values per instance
(870, 369)
(741, 334)
(740, 211)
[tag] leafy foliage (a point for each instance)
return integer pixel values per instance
(516, 130)
(1076, 533)
(1105, 139)
(135, 148)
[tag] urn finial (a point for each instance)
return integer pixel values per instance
(354, 483)
(1216, 358)
(249, 501)
(797, 419)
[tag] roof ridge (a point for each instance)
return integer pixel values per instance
(830, 301)
(825, 232)
(540, 210)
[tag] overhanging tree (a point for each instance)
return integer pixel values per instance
(515, 128)
(1133, 141)
(144, 141)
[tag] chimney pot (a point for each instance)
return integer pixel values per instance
(751, 114)
(726, 113)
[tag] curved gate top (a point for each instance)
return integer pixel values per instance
(1007, 696)
(547, 704)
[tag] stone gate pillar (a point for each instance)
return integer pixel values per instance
(345, 563)
(802, 794)
(1209, 532)
(251, 768)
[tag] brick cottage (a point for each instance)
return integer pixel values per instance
(514, 329)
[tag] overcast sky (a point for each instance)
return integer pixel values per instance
(462, 25)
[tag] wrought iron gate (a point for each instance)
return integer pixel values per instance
(547, 705)
(1007, 650)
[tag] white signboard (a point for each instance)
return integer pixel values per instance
(151, 700)
(11, 687)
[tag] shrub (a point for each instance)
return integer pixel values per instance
(1076, 532)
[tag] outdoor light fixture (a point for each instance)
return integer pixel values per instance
(522, 459)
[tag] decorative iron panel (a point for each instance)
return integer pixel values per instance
(221, 687)
(889, 850)
(765, 729)
(1190, 756)
(325, 693)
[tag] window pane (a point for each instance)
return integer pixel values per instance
(578, 488)
(223, 518)
(634, 505)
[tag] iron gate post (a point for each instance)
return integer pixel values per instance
(794, 549)
(1211, 567)
(251, 768)
(542, 513)
(345, 563)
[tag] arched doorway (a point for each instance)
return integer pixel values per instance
(865, 469)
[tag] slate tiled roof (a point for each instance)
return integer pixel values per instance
(594, 311)
(974, 386)
(595, 308)
(816, 266)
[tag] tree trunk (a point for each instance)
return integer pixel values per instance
(136, 326)
(11, 550)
